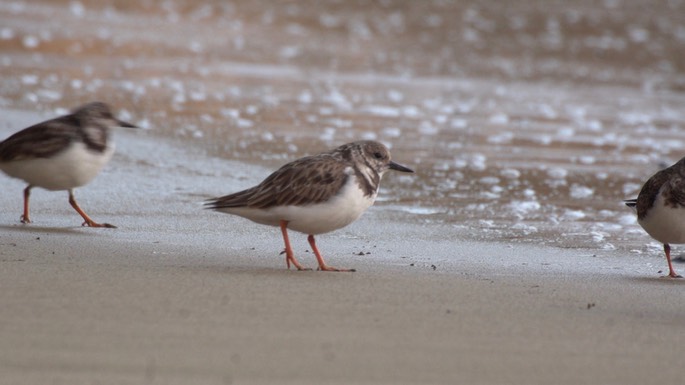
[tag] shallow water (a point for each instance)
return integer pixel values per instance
(527, 122)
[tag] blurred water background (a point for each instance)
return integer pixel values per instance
(527, 121)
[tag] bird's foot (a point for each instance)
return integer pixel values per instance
(95, 224)
(297, 265)
(291, 259)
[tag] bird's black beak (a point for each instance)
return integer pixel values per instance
(398, 167)
(121, 123)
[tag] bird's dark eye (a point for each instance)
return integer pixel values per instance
(378, 155)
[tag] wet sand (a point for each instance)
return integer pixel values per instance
(507, 258)
(179, 295)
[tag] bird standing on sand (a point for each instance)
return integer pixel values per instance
(315, 194)
(661, 208)
(62, 153)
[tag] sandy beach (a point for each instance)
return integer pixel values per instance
(178, 295)
(507, 258)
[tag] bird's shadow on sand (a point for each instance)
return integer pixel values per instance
(257, 270)
(32, 228)
(658, 280)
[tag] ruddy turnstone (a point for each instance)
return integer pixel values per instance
(660, 208)
(61, 153)
(315, 194)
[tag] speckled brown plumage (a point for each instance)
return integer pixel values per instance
(87, 124)
(671, 180)
(312, 179)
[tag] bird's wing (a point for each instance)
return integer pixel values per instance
(39, 141)
(674, 193)
(305, 181)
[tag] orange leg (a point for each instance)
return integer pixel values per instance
(322, 264)
(671, 272)
(289, 255)
(86, 218)
(27, 193)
